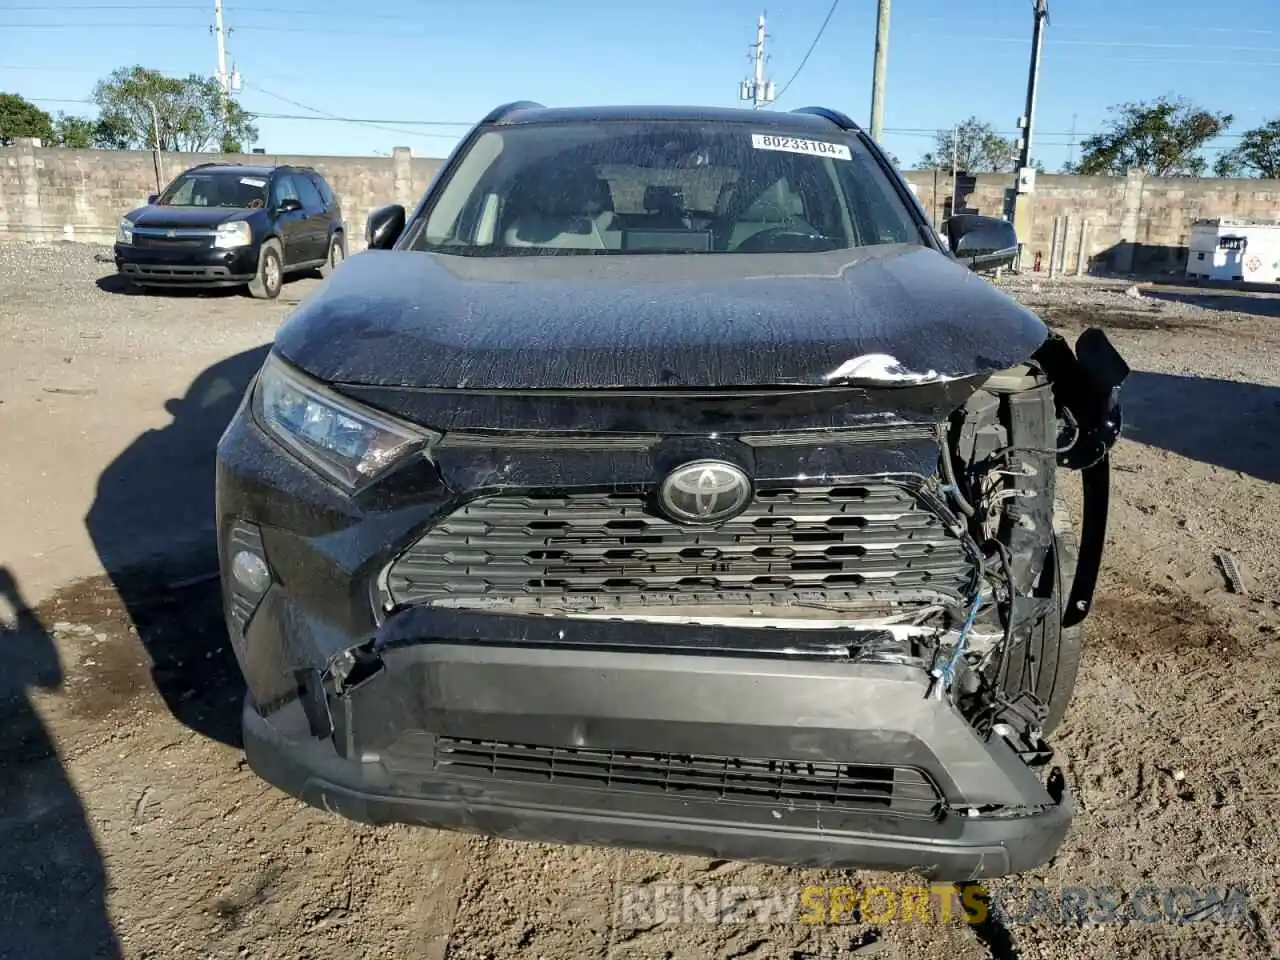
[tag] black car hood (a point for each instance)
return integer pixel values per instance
(894, 315)
(156, 216)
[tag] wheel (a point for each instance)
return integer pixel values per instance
(337, 253)
(266, 285)
(1048, 666)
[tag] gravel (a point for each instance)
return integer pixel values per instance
(132, 827)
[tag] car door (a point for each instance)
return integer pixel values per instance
(317, 224)
(291, 224)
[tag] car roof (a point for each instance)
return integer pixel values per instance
(250, 169)
(807, 120)
(259, 169)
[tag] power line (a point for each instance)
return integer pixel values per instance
(326, 115)
(1065, 42)
(114, 6)
(100, 26)
(821, 30)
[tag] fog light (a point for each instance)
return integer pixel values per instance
(250, 571)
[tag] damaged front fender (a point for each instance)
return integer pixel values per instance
(1086, 386)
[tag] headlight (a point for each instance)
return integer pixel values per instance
(235, 234)
(345, 441)
(124, 232)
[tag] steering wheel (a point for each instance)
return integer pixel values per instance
(787, 240)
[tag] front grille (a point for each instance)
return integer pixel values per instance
(793, 544)
(179, 242)
(826, 785)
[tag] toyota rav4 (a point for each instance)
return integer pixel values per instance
(666, 480)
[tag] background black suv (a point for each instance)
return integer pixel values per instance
(220, 225)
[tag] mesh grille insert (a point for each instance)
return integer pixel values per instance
(899, 791)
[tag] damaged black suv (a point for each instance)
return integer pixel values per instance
(664, 479)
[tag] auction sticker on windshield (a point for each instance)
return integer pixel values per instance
(253, 182)
(817, 148)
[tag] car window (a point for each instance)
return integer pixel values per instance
(204, 188)
(283, 189)
(326, 193)
(661, 187)
(307, 192)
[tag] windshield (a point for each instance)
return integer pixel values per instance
(215, 189)
(662, 187)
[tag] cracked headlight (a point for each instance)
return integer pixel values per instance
(234, 234)
(124, 231)
(345, 441)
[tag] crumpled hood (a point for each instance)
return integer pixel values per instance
(891, 314)
(186, 217)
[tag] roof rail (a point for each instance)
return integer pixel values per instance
(835, 116)
(497, 113)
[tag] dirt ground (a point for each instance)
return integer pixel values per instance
(130, 825)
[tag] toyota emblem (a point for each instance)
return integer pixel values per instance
(705, 491)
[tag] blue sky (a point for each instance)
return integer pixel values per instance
(448, 63)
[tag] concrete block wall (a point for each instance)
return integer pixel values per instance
(1135, 222)
(49, 194)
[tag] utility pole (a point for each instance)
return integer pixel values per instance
(222, 54)
(758, 90)
(1026, 184)
(881, 68)
(955, 166)
(155, 152)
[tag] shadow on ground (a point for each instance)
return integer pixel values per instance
(115, 283)
(152, 523)
(1226, 300)
(52, 876)
(1224, 423)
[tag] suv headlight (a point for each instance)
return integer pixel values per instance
(234, 234)
(124, 231)
(347, 442)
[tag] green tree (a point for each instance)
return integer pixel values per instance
(1163, 137)
(1258, 154)
(142, 108)
(20, 117)
(76, 133)
(977, 149)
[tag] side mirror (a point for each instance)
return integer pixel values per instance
(384, 227)
(152, 198)
(982, 243)
(289, 204)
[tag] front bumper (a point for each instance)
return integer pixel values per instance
(187, 267)
(704, 740)
(669, 731)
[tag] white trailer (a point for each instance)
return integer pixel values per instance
(1235, 250)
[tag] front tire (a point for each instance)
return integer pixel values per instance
(270, 278)
(1048, 665)
(337, 253)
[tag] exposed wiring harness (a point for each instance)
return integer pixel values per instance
(944, 676)
(949, 472)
